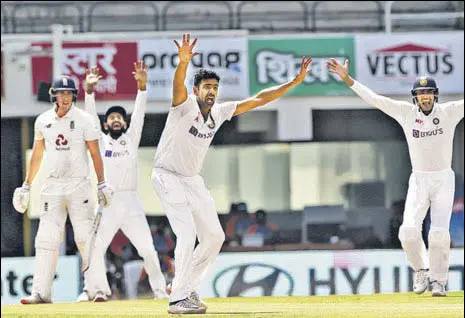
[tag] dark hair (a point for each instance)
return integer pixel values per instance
(204, 74)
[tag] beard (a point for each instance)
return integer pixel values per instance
(115, 134)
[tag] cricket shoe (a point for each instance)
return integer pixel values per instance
(438, 289)
(185, 306)
(35, 299)
(83, 297)
(100, 297)
(195, 298)
(160, 294)
(420, 282)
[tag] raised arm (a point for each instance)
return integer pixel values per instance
(137, 117)
(185, 55)
(269, 94)
(92, 78)
(389, 106)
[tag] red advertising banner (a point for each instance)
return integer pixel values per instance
(115, 61)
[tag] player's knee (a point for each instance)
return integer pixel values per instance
(409, 234)
(49, 236)
(438, 237)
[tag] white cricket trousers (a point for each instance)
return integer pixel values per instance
(59, 197)
(126, 213)
(435, 190)
(192, 213)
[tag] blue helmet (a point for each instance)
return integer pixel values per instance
(424, 82)
(63, 83)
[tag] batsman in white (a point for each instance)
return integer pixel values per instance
(119, 146)
(190, 127)
(429, 129)
(64, 133)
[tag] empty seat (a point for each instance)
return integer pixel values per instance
(5, 20)
(38, 17)
(110, 16)
(347, 16)
(276, 16)
(434, 8)
(197, 15)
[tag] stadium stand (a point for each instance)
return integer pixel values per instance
(256, 16)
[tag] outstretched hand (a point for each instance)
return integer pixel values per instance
(335, 67)
(92, 76)
(303, 70)
(140, 72)
(185, 49)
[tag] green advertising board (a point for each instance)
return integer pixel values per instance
(274, 62)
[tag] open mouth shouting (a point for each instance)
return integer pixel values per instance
(210, 100)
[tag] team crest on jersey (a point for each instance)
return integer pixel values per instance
(48, 126)
(436, 121)
(122, 142)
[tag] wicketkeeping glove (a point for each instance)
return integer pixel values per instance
(21, 198)
(105, 193)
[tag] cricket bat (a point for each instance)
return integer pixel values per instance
(86, 256)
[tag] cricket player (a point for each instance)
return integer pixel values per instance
(119, 152)
(429, 129)
(64, 133)
(190, 127)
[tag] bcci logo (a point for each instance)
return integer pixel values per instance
(436, 121)
(423, 81)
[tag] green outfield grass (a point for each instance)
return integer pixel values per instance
(381, 305)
